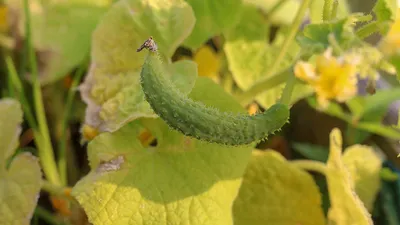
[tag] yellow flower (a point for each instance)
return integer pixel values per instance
(208, 62)
(331, 78)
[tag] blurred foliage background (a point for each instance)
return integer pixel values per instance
(71, 49)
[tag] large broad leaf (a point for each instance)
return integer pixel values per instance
(61, 33)
(346, 206)
(275, 192)
(212, 18)
(21, 182)
(180, 181)
(112, 89)
(364, 166)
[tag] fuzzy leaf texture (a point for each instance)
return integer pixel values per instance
(346, 207)
(180, 181)
(21, 182)
(112, 89)
(212, 18)
(364, 166)
(277, 193)
(250, 56)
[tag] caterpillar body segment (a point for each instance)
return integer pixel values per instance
(202, 122)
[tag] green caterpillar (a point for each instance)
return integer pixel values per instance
(194, 118)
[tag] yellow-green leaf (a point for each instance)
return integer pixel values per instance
(364, 166)
(180, 181)
(346, 206)
(250, 56)
(112, 90)
(21, 182)
(61, 33)
(284, 14)
(212, 18)
(275, 192)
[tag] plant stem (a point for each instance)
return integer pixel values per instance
(19, 92)
(328, 10)
(62, 157)
(46, 215)
(310, 165)
(287, 91)
(46, 153)
(334, 9)
(53, 189)
(272, 78)
(262, 85)
(368, 29)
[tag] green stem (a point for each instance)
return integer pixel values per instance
(259, 87)
(327, 12)
(62, 156)
(368, 29)
(19, 92)
(334, 9)
(46, 153)
(310, 165)
(263, 85)
(52, 188)
(287, 92)
(46, 215)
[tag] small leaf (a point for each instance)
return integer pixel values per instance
(333, 109)
(275, 192)
(212, 18)
(381, 99)
(180, 181)
(380, 129)
(317, 35)
(388, 175)
(21, 182)
(346, 207)
(370, 104)
(385, 10)
(364, 166)
(316, 10)
(310, 151)
(112, 90)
